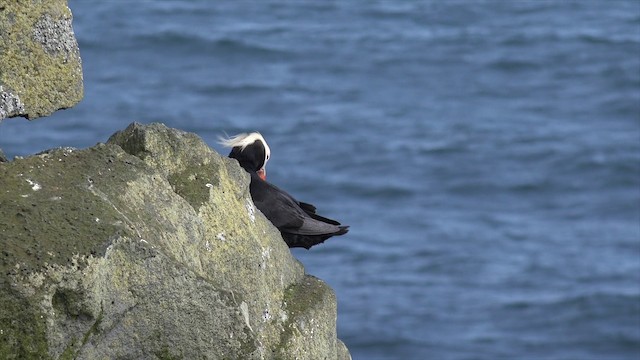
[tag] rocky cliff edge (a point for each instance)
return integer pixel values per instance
(149, 247)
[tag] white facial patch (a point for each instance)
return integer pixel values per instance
(243, 140)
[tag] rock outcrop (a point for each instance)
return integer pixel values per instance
(149, 247)
(40, 66)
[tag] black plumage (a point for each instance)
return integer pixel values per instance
(298, 222)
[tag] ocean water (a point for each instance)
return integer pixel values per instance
(485, 153)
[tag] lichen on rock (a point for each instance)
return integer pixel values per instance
(10, 104)
(143, 247)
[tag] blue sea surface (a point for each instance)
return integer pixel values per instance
(486, 154)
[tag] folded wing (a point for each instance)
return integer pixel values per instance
(297, 221)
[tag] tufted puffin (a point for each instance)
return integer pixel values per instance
(298, 222)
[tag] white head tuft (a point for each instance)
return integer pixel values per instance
(243, 140)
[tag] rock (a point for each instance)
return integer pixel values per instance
(40, 66)
(3, 158)
(149, 246)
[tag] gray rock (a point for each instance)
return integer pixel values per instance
(3, 158)
(40, 65)
(149, 246)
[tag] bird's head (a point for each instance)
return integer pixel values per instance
(251, 151)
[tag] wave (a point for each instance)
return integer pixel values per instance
(440, 147)
(245, 88)
(376, 192)
(198, 42)
(598, 300)
(234, 89)
(513, 65)
(589, 36)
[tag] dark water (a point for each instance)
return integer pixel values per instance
(485, 153)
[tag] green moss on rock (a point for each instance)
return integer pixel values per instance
(22, 328)
(34, 190)
(193, 183)
(305, 331)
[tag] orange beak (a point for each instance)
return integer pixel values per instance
(262, 173)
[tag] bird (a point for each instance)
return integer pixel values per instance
(298, 222)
